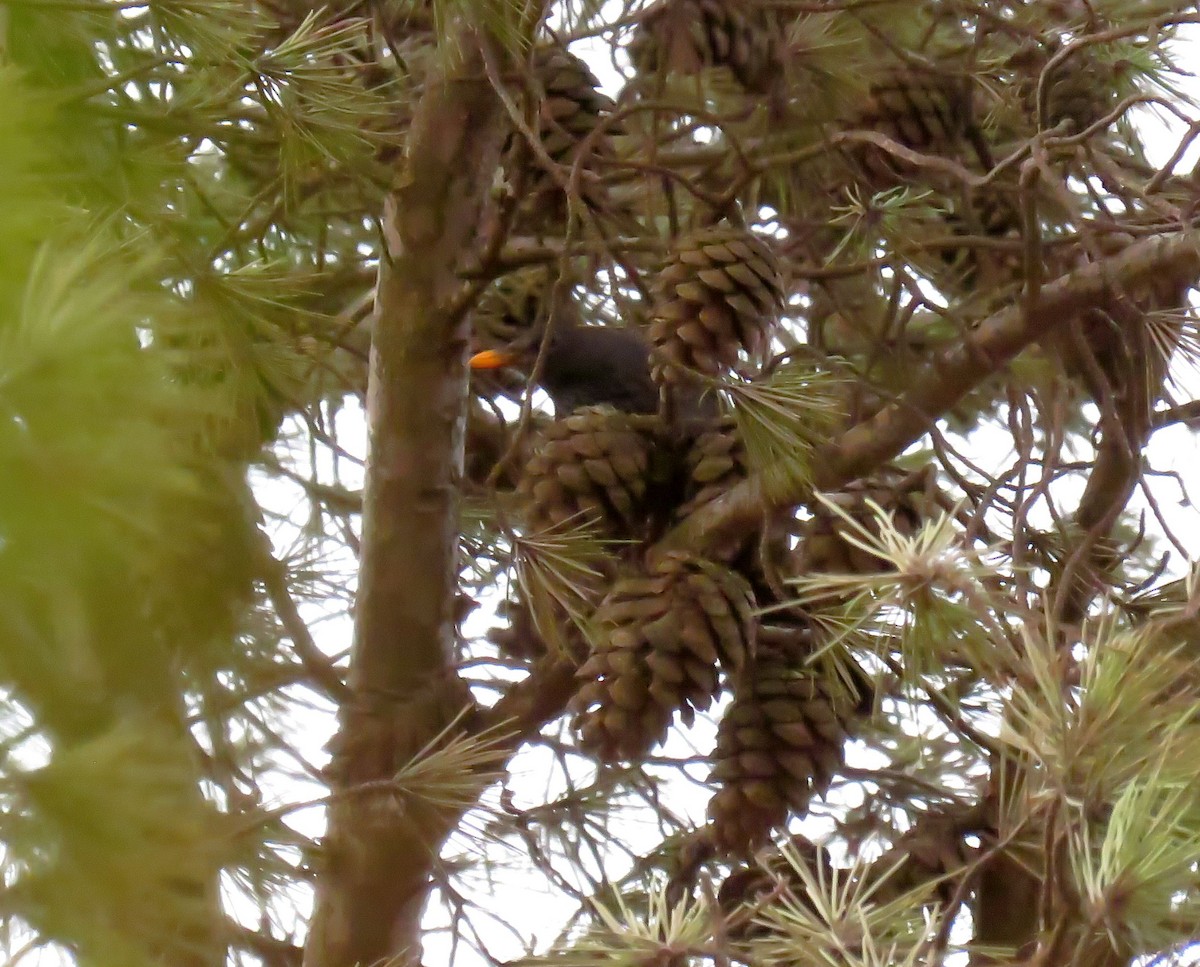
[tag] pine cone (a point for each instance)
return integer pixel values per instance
(720, 295)
(825, 550)
(573, 105)
(715, 462)
(508, 312)
(596, 463)
(684, 37)
(513, 305)
(767, 877)
(993, 215)
(530, 635)
(925, 110)
(519, 638)
(1123, 350)
(778, 744)
(1080, 89)
(934, 849)
(664, 636)
(572, 109)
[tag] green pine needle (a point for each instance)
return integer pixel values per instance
(508, 21)
(560, 574)
(213, 31)
(1175, 334)
(320, 112)
(625, 936)
(888, 214)
(1093, 740)
(112, 825)
(452, 769)
(842, 917)
(931, 600)
(1136, 873)
(782, 419)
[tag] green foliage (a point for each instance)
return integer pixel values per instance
(842, 917)
(29, 208)
(127, 537)
(560, 574)
(1136, 872)
(114, 824)
(1128, 717)
(191, 198)
(781, 420)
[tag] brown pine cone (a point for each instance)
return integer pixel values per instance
(934, 849)
(925, 110)
(594, 464)
(993, 215)
(779, 742)
(1124, 349)
(1080, 89)
(718, 296)
(515, 305)
(823, 548)
(567, 118)
(662, 638)
(519, 638)
(573, 105)
(510, 312)
(684, 37)
(716, 461)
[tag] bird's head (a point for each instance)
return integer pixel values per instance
(584, 366)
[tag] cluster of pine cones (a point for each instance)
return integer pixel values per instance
(669, 633)
(666, 636)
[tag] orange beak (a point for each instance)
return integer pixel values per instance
(492, 359)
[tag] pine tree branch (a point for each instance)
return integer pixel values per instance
(530, 704)
(942, 382)
(1115, 472)
(321, 670)
(270, 950)
(1187, 413)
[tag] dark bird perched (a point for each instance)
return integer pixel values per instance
(598, 366)
(586, 366)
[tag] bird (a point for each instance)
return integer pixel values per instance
(586, 366)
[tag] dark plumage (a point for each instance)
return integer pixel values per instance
(597, 366)
(587, 366)
(591, 366)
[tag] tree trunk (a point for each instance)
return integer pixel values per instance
(379, 848)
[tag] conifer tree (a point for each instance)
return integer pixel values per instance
(835, 611)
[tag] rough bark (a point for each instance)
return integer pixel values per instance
(379, 850)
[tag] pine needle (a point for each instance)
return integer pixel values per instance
(452, 768)
(213, 31)
(1136, 874)
(320, 112)
(783, 418)
(624, 937)
(888, 214)
(1131, 701)
(931, 598)
(1175, 334)
(505, 20)
(842, 916)
(560, 574)
(117, 824)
